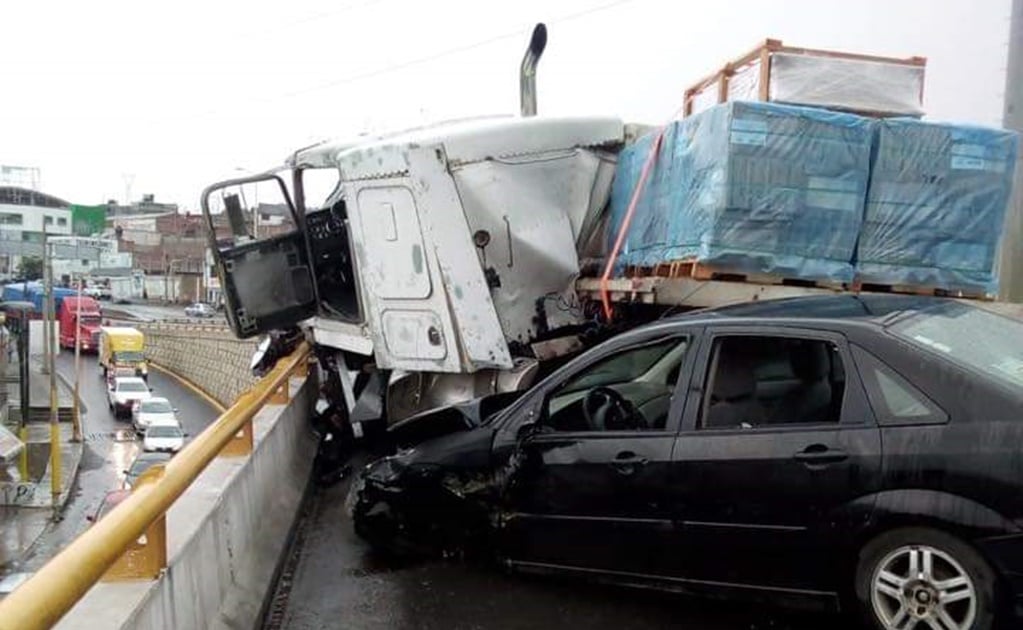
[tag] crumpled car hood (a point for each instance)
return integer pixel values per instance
(447, 420)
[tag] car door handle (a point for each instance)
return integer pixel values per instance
(819, 454)
(627, 462)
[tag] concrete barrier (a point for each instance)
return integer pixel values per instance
(211, 357)
(226, 535)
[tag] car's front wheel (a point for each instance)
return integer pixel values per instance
(923, 578)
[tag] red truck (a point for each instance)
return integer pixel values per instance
(86, 311)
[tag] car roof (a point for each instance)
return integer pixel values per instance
(162, 422)
(128, 379)
(157, 399)
(114, 497)
(861, 307)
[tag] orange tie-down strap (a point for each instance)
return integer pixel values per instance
(651, 158)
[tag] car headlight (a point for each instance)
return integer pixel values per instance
(388, 469)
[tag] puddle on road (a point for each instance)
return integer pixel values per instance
(120, 435)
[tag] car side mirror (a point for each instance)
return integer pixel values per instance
(527, 431)
(124, 472)
(90, 518)
(186, 435)
(175, 409)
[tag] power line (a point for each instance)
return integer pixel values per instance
(421, 60)
(446, 53)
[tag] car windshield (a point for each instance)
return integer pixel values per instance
(156, 406)
(132, 386)
(972, 337)
(622, 367)
(160, 431)
(128, 356)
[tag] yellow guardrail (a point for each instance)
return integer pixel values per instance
(50, 593)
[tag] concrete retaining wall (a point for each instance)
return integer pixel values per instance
(226, 536)
(209, 356)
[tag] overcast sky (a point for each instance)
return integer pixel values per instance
(176, 95)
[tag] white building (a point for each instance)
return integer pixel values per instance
(24, 215)
(80, 255)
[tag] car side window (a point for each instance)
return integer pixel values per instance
(630, 390)
(894, 399)
(756, 381)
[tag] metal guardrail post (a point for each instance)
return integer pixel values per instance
(241, 444)
(53, 590)
(281, 395)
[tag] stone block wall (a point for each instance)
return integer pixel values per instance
(209, 356)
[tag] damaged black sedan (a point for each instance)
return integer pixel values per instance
(836, 449)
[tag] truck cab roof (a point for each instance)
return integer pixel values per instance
(464, 141)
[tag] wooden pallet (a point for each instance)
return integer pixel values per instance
(912, 289)
(700, 271)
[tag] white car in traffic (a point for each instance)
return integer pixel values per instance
(200, 309)
(163, 438)
(153, 411)
(124, 391)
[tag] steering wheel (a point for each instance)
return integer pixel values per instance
(607, 410)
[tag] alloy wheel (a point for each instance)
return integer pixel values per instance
(918, 586)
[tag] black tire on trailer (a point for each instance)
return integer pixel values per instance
(928, 574)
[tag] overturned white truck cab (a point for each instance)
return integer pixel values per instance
(443, 253)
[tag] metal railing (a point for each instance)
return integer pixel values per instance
(51, 592)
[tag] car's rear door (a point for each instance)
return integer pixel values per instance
(766, 483)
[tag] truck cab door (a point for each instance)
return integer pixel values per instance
(260, 254)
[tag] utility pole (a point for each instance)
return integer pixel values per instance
(1011, 264)
(55, 471)
(76, 428)
(46, 318)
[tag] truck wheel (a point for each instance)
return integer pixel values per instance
(917, 576)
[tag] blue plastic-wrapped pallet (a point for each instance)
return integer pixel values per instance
(749, 187)
(936, 205)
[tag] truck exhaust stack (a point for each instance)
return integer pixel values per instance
(527, 73)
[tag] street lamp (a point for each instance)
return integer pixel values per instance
(76, 418)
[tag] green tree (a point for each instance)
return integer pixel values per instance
(30, 267)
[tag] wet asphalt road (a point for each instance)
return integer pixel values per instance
(333, 580)
(110, 446)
